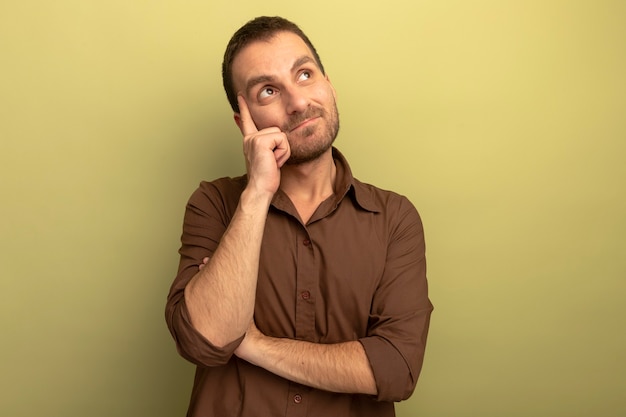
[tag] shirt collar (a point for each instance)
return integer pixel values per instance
(346, 184)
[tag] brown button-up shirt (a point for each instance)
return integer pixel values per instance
(355, 271)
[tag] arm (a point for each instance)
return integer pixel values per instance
(220, 297)
(341, 367)
(400, 312)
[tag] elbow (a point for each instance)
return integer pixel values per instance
(400, 389)
(396, 374)
(191, 344)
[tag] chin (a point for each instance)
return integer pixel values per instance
(299, 157)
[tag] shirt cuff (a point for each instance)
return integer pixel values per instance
(193, 346)
(394, 379)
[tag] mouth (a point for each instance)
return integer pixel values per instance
(304, 123)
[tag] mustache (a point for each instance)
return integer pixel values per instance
(298, 118)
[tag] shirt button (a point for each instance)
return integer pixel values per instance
(306, 242)
(305, 295)
(297, 398)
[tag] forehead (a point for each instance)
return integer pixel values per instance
(272, 58)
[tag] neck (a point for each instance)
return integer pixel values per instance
(307, 185)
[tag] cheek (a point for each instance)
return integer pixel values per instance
(326, 94)
(264, 118)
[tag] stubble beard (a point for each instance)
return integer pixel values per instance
(307, 147)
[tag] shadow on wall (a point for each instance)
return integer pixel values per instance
(214, 146)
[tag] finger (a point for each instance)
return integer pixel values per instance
(282, 153)
(247, 124)
(205, 260)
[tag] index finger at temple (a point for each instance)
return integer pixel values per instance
(247, 124)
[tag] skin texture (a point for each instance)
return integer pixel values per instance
(289, 120)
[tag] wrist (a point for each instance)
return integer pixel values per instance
(255, 198)
(250, 348)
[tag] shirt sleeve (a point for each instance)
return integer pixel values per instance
(207, 216)
(400, 313)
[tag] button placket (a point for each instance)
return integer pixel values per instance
(306, 285)
(297, 400)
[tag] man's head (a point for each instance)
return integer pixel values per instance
(277, 73)
(258, 29)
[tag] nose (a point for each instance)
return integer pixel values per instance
(296, 100)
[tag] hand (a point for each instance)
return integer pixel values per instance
(265, 151)
(205, 261)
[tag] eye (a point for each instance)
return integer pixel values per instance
(266, 92)
(304, 75)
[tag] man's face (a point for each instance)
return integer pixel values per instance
(283, 87)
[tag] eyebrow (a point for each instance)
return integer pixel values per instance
(301, 61)
(258, 80)
(268, 78)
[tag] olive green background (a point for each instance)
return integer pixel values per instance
(503, 121)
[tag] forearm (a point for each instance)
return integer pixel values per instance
(341, 367)
(220, 297)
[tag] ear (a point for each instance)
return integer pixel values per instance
(237, 118)
(331, 86)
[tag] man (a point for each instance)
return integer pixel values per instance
(301, 291)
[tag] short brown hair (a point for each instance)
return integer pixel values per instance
(260, 28)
